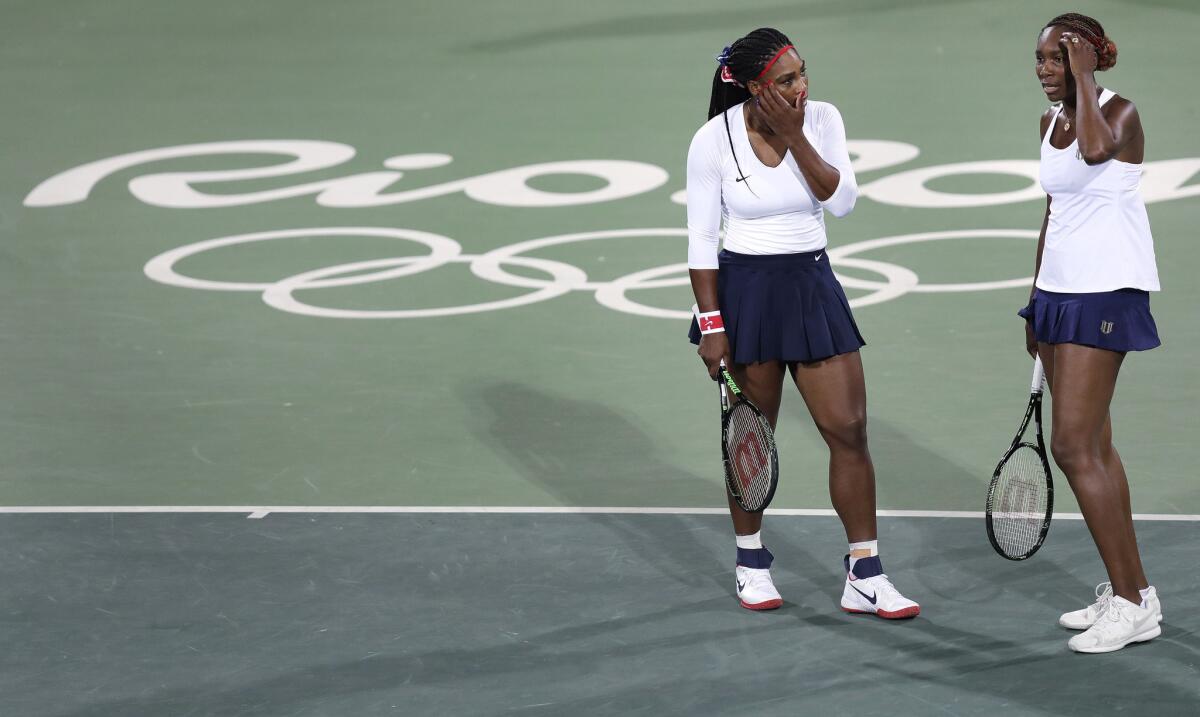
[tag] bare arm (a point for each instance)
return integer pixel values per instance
(787, 121)
(1100, 138)
(1030, 340)
(704, 288)
(1037, 264)
(1041, 245)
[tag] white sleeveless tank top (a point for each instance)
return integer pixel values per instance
(1098, 237)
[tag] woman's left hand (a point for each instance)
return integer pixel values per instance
(785, 119)
(1081, 54)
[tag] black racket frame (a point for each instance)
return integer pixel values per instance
(1034, 413)
(726, 382)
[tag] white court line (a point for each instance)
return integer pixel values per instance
(261, 511)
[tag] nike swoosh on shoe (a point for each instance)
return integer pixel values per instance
(870, 598)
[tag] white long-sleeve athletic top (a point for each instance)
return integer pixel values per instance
(772, 210)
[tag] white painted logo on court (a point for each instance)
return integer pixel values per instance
(1162, 180)
(560, 277)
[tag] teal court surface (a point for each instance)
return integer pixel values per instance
(344, 371)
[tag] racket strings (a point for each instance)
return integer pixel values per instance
(749, 444)
(1019, 503)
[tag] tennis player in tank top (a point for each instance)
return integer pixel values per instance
(768, 164)
(1090, 306)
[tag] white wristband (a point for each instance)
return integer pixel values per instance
(710, 322)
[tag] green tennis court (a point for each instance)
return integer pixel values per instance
(345, 373)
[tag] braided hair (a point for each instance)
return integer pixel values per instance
(1091, 30)
(742, 62)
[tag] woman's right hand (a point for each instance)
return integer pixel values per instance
(1030, 340)
(1081, 54)
(713, 348)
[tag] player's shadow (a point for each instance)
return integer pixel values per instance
(963, 650)
(911, 475)
(585, 454)
(567, 653)
(1012, 665)
(1045, 678)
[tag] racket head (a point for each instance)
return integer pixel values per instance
(750, 456)
(1020, 501)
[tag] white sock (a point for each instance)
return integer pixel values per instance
(750, 542)
(1145, 594)
(871, 545)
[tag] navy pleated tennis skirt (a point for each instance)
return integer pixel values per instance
(783, 307)
(1113, 320)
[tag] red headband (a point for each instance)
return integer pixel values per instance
(773, 59)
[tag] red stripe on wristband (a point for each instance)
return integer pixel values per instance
(710, 322)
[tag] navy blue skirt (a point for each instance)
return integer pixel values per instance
(1112, 320)
(783, 307)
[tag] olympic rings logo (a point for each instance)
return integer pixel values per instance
(561, 278)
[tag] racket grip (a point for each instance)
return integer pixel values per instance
(1038, 384)
(723, 388)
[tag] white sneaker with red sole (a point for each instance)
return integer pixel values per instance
(869, 591)
(755, 589)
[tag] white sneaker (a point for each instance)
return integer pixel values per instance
(1121, 623)
(868, 590)
(755, 589)
(1085, 618)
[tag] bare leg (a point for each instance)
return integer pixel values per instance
(762, 383)
(836, 395)
(1116, 472)
(1082, 380)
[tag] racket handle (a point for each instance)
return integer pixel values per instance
(724, 389)
(1038, 384)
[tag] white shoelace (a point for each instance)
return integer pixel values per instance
(1104, 596)
(1117, 612)
(882, 584)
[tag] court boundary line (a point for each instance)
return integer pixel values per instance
(257, 512)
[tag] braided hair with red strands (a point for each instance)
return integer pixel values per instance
(740, 63)
(1090, 29)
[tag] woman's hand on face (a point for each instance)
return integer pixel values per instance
(1081, 54)
(713, 348)
(785, 119)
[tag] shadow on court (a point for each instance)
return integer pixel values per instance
(583, 453)
(551, 614)
(909, 474)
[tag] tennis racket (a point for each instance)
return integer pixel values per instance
(748, 447)
(1020, 499)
